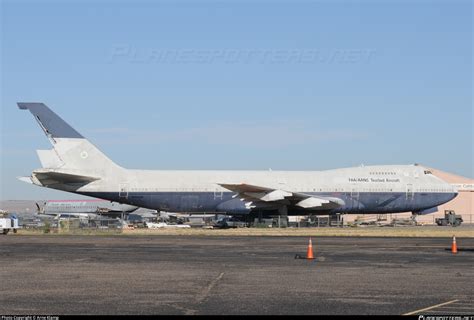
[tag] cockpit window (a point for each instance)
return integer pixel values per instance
(428, 172)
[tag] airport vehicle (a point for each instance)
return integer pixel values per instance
(75, 165)
(84, 208)
(8, 223)
(230, 222)
(450, 218)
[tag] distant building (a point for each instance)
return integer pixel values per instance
(463, 204)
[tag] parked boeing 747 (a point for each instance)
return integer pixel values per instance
(84, 208)
(75, 165)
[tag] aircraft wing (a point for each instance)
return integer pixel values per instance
(277, 196)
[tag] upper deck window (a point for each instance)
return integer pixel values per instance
(383, 173)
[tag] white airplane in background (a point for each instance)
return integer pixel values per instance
(75, 165)
(84, 208)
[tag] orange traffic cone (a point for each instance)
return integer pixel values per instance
(454, 247)
(309, 254)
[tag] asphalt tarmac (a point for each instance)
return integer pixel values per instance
(234, 275)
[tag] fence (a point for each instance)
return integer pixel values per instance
(78, 225)
(73, 225)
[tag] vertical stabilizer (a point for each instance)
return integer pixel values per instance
(71, 150)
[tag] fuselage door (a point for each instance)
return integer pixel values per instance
(354, 197)
(123, 191)
(218, 194)
(410, 192)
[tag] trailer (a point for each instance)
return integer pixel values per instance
(450, 218)
(8, 224)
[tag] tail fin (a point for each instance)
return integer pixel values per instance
(70, 149)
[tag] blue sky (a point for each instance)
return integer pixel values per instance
(240, 85)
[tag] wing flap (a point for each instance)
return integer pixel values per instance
(271, 196)
(311, 202)
(257, 192)
(320, 202)
(243, 187)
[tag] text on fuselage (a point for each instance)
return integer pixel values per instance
(373, 180)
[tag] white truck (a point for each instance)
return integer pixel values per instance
(8, 223)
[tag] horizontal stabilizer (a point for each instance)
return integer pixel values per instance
(51, 177)
(58, 180)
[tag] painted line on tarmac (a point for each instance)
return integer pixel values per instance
(446, 312)
(204, 293)
(429, 308)
(460, 308)
(202, 296)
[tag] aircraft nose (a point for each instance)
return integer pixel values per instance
(454, 189)
(453, 195)
(454, 192)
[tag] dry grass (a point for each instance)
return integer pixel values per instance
(421, 231)
(335, 232)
